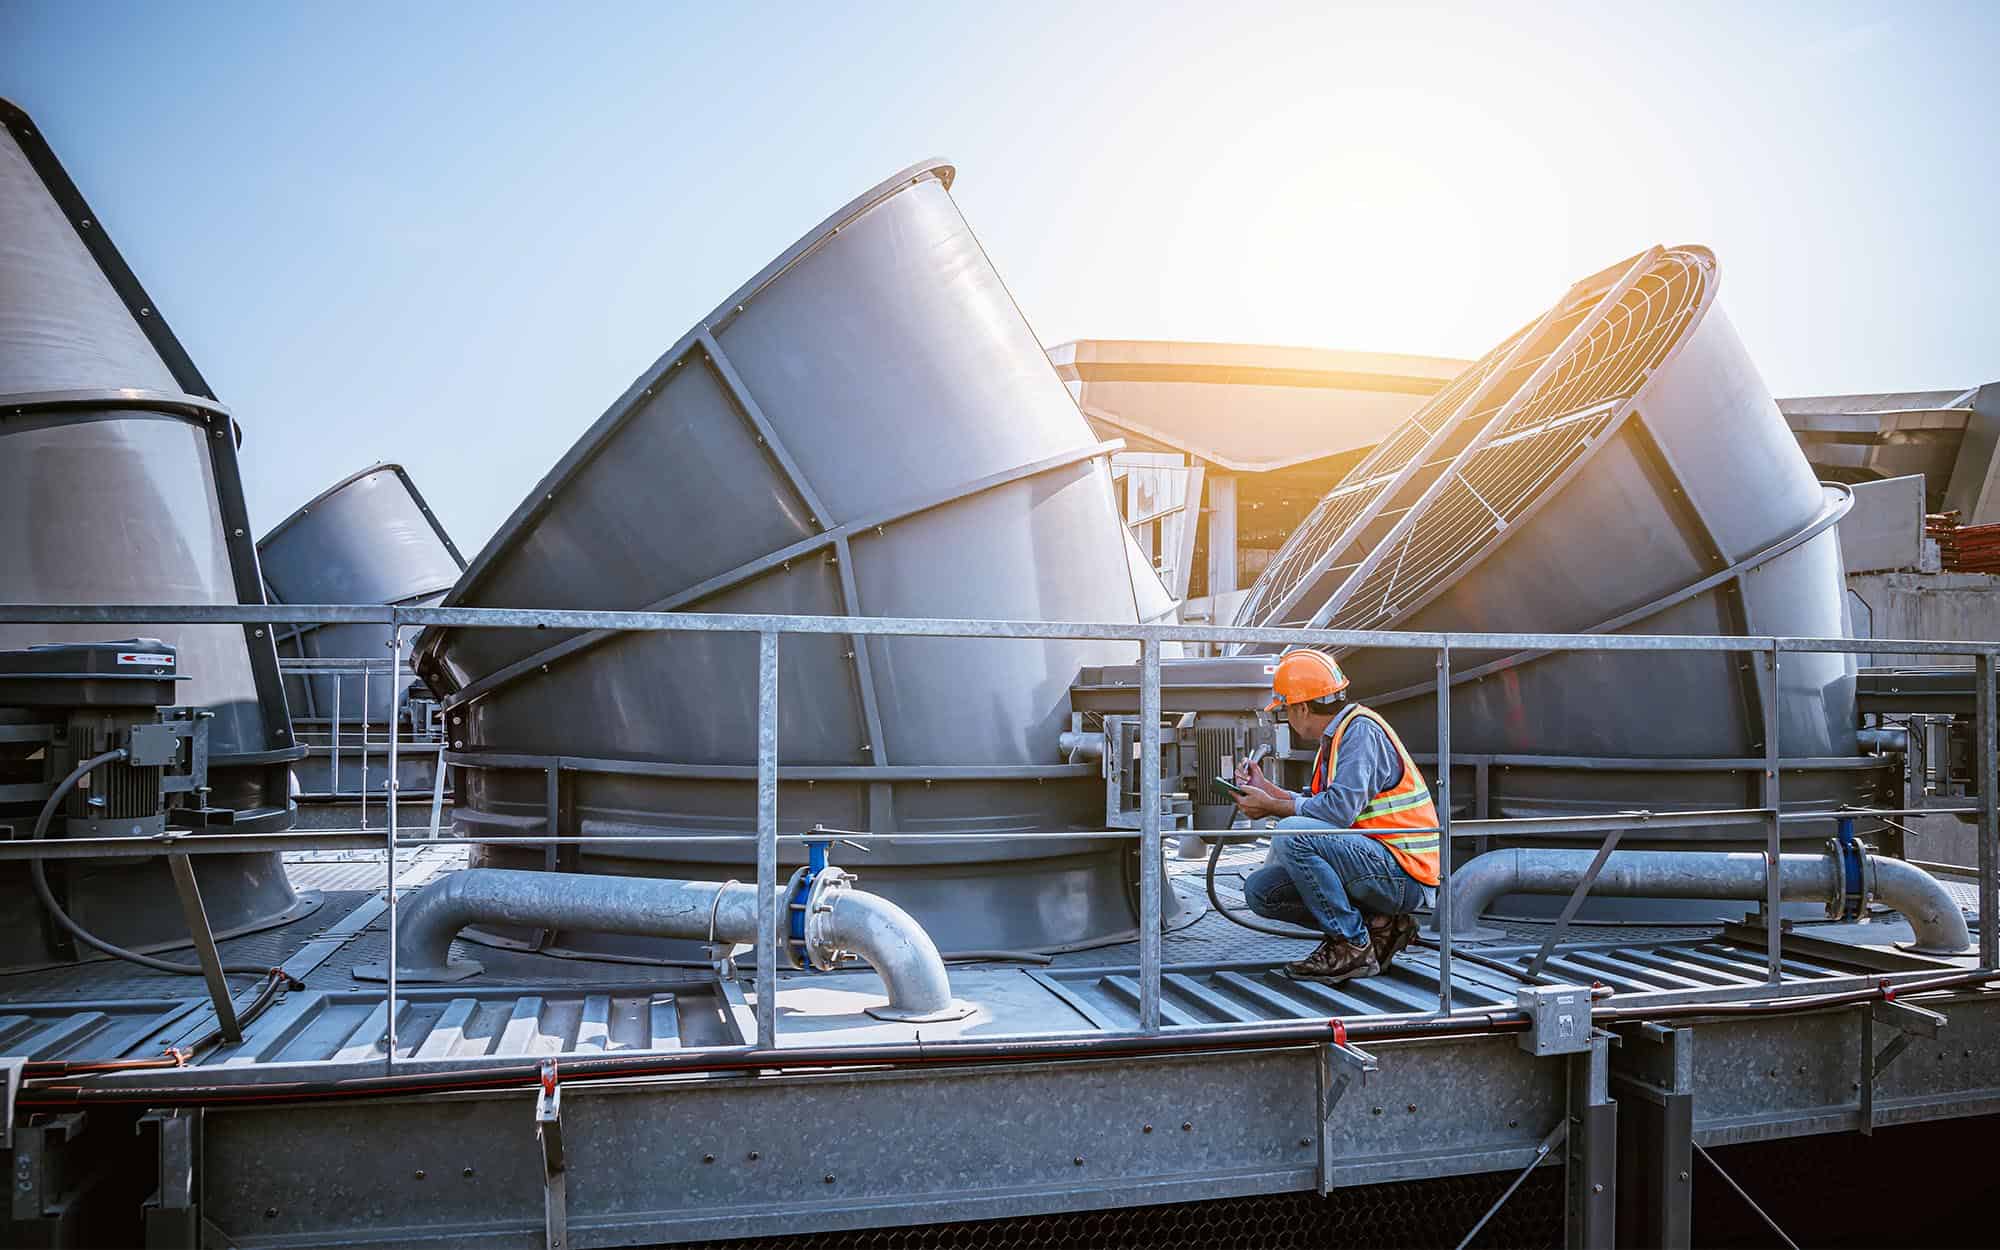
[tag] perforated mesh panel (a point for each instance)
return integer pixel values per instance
(1329, 570)
(1404, 1213)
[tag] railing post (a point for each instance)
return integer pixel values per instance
(1988, 738)
(395, 676)
(333, 784)
(1442, 801)
(364, 745)
(1774, 921)
(769, 940)
(1149, 836)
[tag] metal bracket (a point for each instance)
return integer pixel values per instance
(170, 1214)
(35, 1176)
(1910, 1022)
(10, 1076)
(1335, 1067)
(555, 1167)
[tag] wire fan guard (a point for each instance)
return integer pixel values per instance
(1449, 483)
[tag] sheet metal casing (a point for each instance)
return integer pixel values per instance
(119, 485)
(368, 538)
(1697, 477)
(876, 366)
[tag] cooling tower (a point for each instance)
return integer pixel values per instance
(119, 485)
(1616, 467)
(868, 427)
(368, 538)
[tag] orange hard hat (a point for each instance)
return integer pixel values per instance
(1304, 676)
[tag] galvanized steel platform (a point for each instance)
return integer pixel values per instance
(690, 1158)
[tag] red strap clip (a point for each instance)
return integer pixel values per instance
(1339, 1032)
(179, 1056)
(1888, 990)
(549, 1077)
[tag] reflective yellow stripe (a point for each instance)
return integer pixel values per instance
(1408, 841)
(1380, 806)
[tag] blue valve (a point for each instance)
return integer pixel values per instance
(1849, 850)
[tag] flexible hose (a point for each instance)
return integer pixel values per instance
(1230, 913)
(77, 931)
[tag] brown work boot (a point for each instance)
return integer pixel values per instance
(1335, 960)
(1388, 935)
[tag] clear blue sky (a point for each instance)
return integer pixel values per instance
(451, 234)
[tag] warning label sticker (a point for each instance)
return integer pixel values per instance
(1269, 669)
(144, 657)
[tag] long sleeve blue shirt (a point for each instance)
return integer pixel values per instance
(1366, 766)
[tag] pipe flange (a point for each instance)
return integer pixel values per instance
(820, 951)
(957, 1009)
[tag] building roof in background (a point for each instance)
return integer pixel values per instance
(1247, 407)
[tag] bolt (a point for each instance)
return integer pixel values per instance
(467, 1173)
(1513, 1124)
(260, 633)
(238, 533)
(753, 1156)
(1187, 1126)
(828, 1178)
(270, 1213)
(1305, 1141)
(1412, 1107)
(708, 1158)
(420, 1174)
(1597, 1189)
(1684, 1175)
(1376, 1111)
(1078, 1161)
(1147, 1129)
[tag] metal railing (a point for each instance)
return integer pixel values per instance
(432, 742)
(771, 628)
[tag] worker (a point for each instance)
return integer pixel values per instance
(1357, 852)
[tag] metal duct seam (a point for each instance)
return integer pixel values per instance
(1939, 925)
(842, 919)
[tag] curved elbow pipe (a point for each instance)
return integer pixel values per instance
(882, 934)
(1939, 925)
(892, 943)
(1929, 907)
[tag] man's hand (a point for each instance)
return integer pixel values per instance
(1257, 802)
(1251, 777)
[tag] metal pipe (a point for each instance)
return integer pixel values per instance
(1923, 901)
(1940, 926)
(840, 918)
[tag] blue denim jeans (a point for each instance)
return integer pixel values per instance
(1328, 881)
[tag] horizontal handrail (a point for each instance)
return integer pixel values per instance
(948, 627)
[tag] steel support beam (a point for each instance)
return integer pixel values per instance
(1652, 1075)
(1151, 867)
(1590, 1218)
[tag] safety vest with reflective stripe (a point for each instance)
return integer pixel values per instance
(1402, 817)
